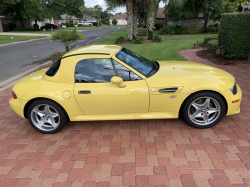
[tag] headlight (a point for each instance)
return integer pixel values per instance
(234, 89)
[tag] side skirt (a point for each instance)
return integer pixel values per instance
(130, 116)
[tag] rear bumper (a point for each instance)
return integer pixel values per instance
(233, 108)
(17, 106)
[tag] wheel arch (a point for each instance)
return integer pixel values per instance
(225, 101)
(40, 98)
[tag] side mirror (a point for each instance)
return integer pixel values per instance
(118, 81)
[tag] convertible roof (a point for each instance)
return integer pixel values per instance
(95, 50)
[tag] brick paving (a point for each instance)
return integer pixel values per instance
(129, 153)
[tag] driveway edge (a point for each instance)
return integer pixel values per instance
(13, 80)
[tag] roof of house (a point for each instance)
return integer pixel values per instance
(120, 16)
(160, 13)
(64, 16)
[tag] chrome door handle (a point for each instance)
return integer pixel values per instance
(84, 92)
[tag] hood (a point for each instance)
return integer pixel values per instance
(191, 74)
(179, 69)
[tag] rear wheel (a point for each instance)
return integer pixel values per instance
(204, 110)
(46, 116)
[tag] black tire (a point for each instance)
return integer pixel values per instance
(187, 106)
(62, 116)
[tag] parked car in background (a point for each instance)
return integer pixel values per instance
(85, 24)
(50, 26)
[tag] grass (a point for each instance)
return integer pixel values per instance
(5, 39)
(167, 50)
(34, 32)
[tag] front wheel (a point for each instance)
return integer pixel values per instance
(204, 110)
(46, 116)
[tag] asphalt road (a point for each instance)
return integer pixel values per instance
(20, 57)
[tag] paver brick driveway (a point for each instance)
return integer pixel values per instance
(128, 153)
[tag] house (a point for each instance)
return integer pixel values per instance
(247, 8)
(1, 27)
(121, 19)
(64, 18)
(160, 17)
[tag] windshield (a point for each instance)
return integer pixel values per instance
(140, 64)
(54, 68)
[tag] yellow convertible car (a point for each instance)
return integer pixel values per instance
(113, 83)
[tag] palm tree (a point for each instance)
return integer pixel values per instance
(66, 37)
(130, 16)
(97, 10)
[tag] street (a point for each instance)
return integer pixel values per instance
(20, 57)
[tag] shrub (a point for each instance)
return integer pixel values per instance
(142, 31)
(209, 38)
(95, 24)
(120, 40)
(5, 27)
(11, 26)
(213, 28)
(234, 35)
(142, 25)
(55, 56)
(36, 26)
(114, 22)
(157, 39)
(212, 46)
(157, 26)
(26, 29)
(180, 30)
(137, 41)
(173, 30)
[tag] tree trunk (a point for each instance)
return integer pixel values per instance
(67, 48)
(151, 19)
(206, 23)
(135, 21)
(129, 6)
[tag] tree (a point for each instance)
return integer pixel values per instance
(72, 7)
(85, 12)
(97, 10)
(114, 22)
(65, 37)
(232, 5)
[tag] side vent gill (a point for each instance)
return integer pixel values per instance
(168, 90)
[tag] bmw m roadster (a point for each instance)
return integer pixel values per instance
(113, 83)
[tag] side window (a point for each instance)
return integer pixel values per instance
(94, 70)
(125, 73)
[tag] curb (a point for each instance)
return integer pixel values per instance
(13, 80)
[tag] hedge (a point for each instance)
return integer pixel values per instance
(234, 35)
(142, 31)
(212, 46)
(209, 38)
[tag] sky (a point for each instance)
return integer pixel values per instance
(91, 3)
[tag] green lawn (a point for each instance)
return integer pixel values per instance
(167, 50)
(7, 39)
(34, 32)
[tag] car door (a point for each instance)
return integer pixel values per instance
(95, 94)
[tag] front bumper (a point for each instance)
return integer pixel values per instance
(233, 108)
(17, 106)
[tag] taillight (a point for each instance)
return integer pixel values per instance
(14, 95)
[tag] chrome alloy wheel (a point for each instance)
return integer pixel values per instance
(45, 117)
(204, 111)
